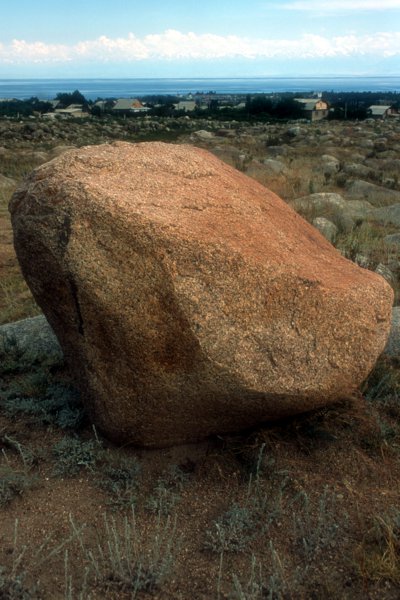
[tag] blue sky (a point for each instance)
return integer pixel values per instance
(199, 38)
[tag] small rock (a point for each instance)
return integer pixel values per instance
(377, 195)
(392, 238)
(274, 167)
(386, 273)
(362, 261)
(392, 348)
(29, 343)
(327, 228)
(388, 214)
(330, 205)
(203, 135)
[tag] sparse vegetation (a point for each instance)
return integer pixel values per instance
(13, 483)
(72, 455)
(44, 401)
(379, 554)
(126, 561)
(120, 479)
(166, 492)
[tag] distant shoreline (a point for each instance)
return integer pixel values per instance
(93, 88)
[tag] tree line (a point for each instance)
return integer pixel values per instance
(343, 105)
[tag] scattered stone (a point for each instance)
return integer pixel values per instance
(375, 194)
(388, 214)
(276, 150)
(359, 210)
(294, 131)
(331, 165)
(362, 261)
(327, 228)
(274, 167)
(328, 205)
(329, 159)
(265, 172)
(386, 273)
(29, 343)
(203, 135)
(356, 170)
(392, 348)
(393, 238)
(188, 299)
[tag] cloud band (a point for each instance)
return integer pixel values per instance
(175, 45)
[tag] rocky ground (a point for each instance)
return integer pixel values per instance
(306, 508)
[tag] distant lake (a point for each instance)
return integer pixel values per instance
(122, 88)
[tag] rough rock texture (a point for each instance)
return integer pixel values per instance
(189, 299)
(30, 342)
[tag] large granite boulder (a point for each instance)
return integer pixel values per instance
(188, 299)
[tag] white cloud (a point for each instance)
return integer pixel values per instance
(342, 5)
(175, 45)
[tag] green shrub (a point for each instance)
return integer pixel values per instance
(240, 524)
(72, 454)
(315, 530)
(120, 480)
(59, 404)
(166, 493)
(12, 587)
(13, 483)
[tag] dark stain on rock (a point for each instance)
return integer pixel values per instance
(74, 294)
(65, 233)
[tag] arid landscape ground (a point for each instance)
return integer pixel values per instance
(306, 508)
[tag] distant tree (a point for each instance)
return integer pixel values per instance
(96, 110)
(40, 106)
(259, 105)
(15, 108)
(213, 104)
(65, 99)
(288, 108)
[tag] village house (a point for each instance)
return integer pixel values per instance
(73, 110)
(126, 106)
(186, 105)
(380, 111)
(313, 109)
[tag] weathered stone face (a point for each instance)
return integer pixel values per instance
(188, 299)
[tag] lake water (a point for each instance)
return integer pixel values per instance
(124, 88)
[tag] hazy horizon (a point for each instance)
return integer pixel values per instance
(185, 39)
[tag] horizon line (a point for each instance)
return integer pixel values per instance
(238, 77)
